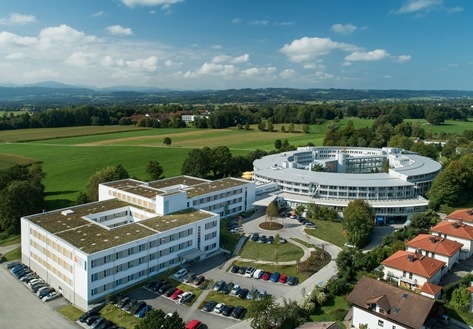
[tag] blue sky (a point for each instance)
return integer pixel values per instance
(223, 44)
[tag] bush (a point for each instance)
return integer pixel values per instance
(338, 314)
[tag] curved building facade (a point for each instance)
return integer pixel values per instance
(333, 176)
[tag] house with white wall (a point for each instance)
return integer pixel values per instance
(433, 246)
(456, 231)
(411, 270)
(378, 304)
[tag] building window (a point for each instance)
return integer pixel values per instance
(380, 323)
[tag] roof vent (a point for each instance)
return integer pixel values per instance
(410, 257)
(433, 239)
(470, 212)
(455, 225)
(404, 296)
(67, 212)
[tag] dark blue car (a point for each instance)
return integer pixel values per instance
(275, 277)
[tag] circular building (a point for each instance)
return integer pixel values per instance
(333, 176)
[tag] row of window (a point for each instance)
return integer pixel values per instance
(65, 278)
(56, 246)
(216, 197)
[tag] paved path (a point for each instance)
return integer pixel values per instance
(4, 250)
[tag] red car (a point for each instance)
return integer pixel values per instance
(282, 279)
(266, 276)
(176, 294)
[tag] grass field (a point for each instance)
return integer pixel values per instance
(267, 252)
(70, 312)
(333, 306)
(9, 160)
(449, 127)
(13, 254)
(13, 239)
(329, 231)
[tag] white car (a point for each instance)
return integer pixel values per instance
(51, 296)
(235, 290)
(186, 297)
(219, 308)
(249, 272)
(258, 273)
(236, 230)
(181, 273)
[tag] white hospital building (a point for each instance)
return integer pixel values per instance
(350, 173)
(133, 232)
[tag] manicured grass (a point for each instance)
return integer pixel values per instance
(283, 269)
(13, 255)
(267, 252)
(304, 243)
(9, 160)
(326, 312)
(449, 127)
(329, 231)
(228, 240)
(187, 287)
(119, 317)
(70, 312)
(13, 239)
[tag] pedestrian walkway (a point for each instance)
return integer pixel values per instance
(4, 250)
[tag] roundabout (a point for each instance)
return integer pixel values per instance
(270, 226)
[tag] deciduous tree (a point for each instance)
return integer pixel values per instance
(108, 174)
(154, 170)
(358, 221)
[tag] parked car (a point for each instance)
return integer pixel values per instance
(242, 270)
(189, 278)
(194, 324)
(282, 240)
(235, 290)
(199, 280)
(219, 308)
(219, 285)
(266, 275)
(263, 239)
(238, 312)
(123, 302)
(150, 285)
(227, 288)
(12, 265)
(32, 282)
(164, 288)
(92, 312)
(45, 292)
(282, 279)
(270, 239)
(255, 237)
(262, 294)
(51, 296)
(309, 225)
(235, 269)
(252, 294)
(292, 280)
(180, 274)
(91, 319)
(139, 305)
(28, 276)
(159, 284)
(237, 230)
(170, 291)
(209, 306)
(142, 312)
(275, 277)
(250, 271)
(105, 324)
(227, 310)
(185, 297)
(97, 322)
(242, 293)
(176, 294)
(258, 273)
(130, 305)
(39, 286)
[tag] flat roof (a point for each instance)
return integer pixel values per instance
(68, 224)
(422, 165)
(333, 179)
(213, 186)
(179, 180)
(417, 202)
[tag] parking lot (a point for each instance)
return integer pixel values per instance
(21, 308)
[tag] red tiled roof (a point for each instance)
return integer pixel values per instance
(462, 214)
(470, 289)
(430, 288)
(435, 244)
(406, 307)
(420, 265)
(455, 229)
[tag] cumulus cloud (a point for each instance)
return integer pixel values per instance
(308, 49)
(42, 74)
(287, 73)
(8, 39)
(150, 3)
(344, 28)
(62, 35)
(216, 69)
(374, 55)
(17, 19)
(233, 60)
(255, 72)
(80, 59)
(98, 14)
(119, 30)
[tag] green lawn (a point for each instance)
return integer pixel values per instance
(449, 127)
(331, 310)
(267, 252)
(13, 255)
(329, 231)
(304, 243)
(228, 240)
(119, 317)
(70, 312)
(13, 239)
(196, 291)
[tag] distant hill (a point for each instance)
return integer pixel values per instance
(51, 93)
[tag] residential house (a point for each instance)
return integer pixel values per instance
(440, 248)
(461, 215)
(457, 231)
(431, 290)
(411, 270)
(378, 304)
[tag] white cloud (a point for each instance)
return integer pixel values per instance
(413, 6)
(8, 40)
(285, 24)
(255, 72)
(42, 74)
(403, 58)
(61, 36)
(80, 59)
(98, 14)
(17, 19)
(308, 49)
(262, 22)
(236, 20)
(119, 30)
(216, 69)
(287, 73)
(323, 75)
(344, 28)
(233, 60)
(374, 55)
(18, 55)
(150, 3)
